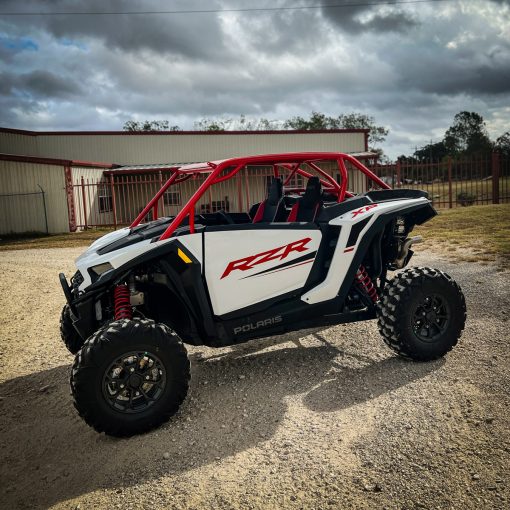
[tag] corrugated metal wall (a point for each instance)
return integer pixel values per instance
(25, 213)
(173, 148)
(18, 143)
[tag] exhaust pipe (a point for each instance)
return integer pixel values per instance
(401, 260)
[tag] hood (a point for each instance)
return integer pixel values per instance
(104, 240)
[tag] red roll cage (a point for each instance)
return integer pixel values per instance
(220, 171)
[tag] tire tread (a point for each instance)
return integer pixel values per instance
(392, 310)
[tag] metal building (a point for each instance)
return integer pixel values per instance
(37, 194)
(50, 183)
(130, 148)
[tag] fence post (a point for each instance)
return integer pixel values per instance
(495, 177)
(450, 195)
(70, 198)
(398, 175)
(114, 202)
(85, 220)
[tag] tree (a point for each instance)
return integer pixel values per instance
(241, 124)
(467, 135)
(431, 152)
(317, 120)
(377, 134)
(149, 125)
(407, 159)
(502, 144)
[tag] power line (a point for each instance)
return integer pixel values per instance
(212, 11)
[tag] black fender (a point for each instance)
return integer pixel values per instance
(185, 280)
(418, 214)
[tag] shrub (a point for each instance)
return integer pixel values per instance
(464, 198)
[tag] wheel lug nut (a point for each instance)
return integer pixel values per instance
(122, 386)
(137, 393)
(147, 377)
(132, 369)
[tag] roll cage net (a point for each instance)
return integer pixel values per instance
(285, 166)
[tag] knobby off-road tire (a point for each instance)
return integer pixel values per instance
(130, 377)
(421, 313)
(72, 340)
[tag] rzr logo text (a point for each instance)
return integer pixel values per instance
(279, 253)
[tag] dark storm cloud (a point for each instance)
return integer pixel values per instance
(40, 83)
(411, 66)
(367, 18)
(472, 60)
(197, 36)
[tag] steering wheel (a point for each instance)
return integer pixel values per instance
(223, 215)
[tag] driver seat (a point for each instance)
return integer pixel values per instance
(273, 208)
(306, 208)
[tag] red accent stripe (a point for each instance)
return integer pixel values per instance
(293, 212)
(260, 212)
(290, 267)
(349, 249)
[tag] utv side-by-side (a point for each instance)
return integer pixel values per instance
(310, 254)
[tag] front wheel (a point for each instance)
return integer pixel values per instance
(422, 313)
(130, 377)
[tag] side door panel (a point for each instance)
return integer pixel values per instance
(246, 266)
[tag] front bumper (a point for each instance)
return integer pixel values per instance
(82, 311)
(67, 289)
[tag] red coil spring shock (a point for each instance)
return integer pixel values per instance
(366, 284)
(123, 308)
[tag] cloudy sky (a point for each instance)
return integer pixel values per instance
(412, 66)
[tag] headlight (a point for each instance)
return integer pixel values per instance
(101, 268)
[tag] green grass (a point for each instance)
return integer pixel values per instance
(32, 240)
(477, 233)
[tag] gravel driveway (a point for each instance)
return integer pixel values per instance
(322, 419)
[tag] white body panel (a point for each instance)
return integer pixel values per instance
(342, 260)
(244, 267)
(193, 243)
(117, 258)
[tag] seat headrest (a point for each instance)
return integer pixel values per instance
(313, 192)
(275, 191)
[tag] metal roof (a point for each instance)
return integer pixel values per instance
(150, 168)
(173, 166)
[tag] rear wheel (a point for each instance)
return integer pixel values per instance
(130, 377)
(422, 313)
(72, 340)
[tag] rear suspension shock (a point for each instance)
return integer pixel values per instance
(365, 282)
(122, 305)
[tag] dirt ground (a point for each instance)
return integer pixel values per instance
(336, 422)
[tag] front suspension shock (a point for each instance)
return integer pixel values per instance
(365, 282)
(122, 304)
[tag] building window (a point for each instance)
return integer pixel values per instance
(105, 199)
(172, 198)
